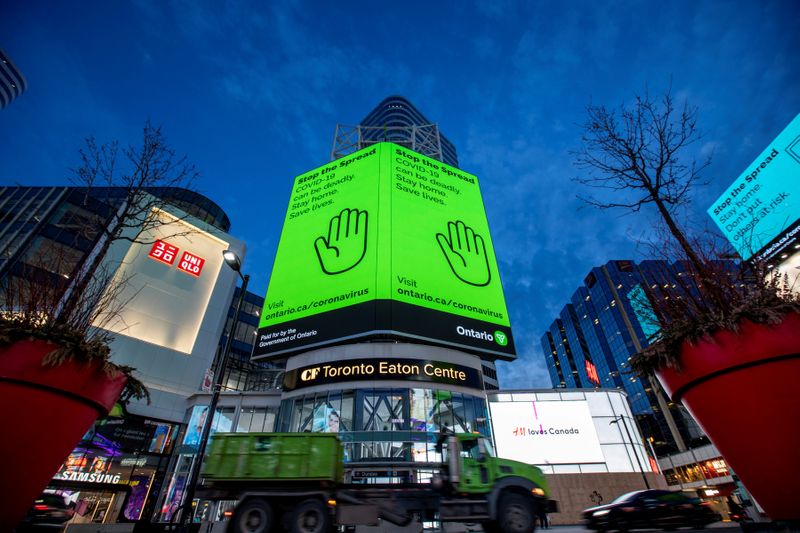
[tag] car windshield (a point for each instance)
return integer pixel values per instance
(628, 496)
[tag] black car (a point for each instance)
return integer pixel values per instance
(49, 512)
(650, 509)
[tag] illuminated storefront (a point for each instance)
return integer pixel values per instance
(241, 412)
(118, 464)
(388, 402)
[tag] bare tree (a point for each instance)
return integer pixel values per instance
(29, 303)
(61, 296)
(141, 179)
(640, 153)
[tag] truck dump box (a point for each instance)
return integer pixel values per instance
(275, 456)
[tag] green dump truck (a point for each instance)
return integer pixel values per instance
(296, 482)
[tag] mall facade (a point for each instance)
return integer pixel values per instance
(177, 293)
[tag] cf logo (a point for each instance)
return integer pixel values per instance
(309, 373)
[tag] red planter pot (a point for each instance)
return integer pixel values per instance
(742, 389)
(45, 412)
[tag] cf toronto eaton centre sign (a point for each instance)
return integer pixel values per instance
(382, 369)
(760, 212)
(385, 243)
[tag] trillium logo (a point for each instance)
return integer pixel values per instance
(498, 336)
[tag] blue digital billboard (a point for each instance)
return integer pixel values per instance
(760, 212)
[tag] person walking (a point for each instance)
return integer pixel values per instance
(544, 521)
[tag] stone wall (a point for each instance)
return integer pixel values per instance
(576, 492)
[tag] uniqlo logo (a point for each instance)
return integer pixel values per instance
(191, 264)
(164, 252)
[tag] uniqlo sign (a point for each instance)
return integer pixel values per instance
(191, 264)
(164, 252)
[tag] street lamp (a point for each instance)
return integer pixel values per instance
(233, 261)
(630, 439)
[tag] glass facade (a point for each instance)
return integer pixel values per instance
(395, 425)
(239, 418)
(116, 466)
(240, 373)
(702, 471)
(46, 233)
(397, 120)
(598, 331)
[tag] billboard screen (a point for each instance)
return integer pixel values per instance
(760, 212)
(542, 433)
(385, 242)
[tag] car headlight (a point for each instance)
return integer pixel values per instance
(601, 512)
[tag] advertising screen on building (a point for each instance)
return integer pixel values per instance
(385, 242)
(542, 433)
(760, 212)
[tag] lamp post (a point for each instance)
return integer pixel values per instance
(630, 439)
(233, 261)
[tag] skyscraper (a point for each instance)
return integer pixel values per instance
(592, 340)
(387, 340)
(396, 120)
(12, 82)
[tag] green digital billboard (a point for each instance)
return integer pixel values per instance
(760, 212)
(385, 243)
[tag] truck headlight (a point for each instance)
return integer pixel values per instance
(538, 491)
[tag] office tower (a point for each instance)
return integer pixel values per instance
(590, 343)
(240, 373)
(387, 339)
(395, 120)
(12, 82)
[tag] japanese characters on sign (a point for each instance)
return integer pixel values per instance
(166, 253)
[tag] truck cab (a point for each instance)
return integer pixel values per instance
(508, 493)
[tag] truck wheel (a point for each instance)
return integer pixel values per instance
(253, 516)
(310, 516)
(517, 514)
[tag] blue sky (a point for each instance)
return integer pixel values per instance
(251, 93)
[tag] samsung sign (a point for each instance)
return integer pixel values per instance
(382, 369)
(760, 212)
(546, 432)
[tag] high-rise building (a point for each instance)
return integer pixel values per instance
(387, 390)
(240, 373)
(590, 343)
(395, 120)
(12, 82)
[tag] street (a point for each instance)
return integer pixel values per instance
(717, 526)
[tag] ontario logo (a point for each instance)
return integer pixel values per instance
(498, 336)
